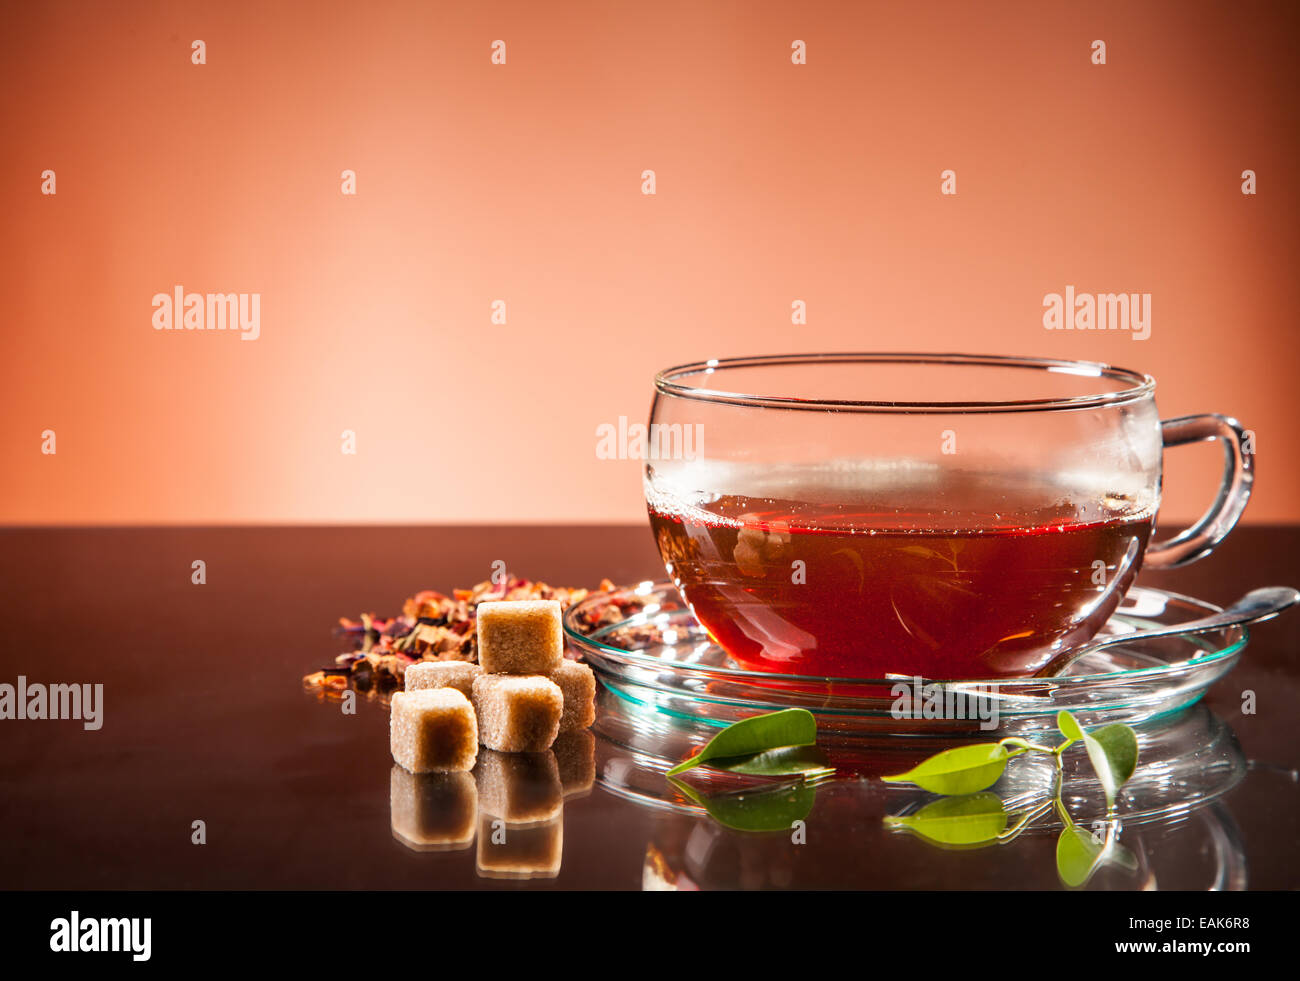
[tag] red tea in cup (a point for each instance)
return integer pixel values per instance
(807, 589)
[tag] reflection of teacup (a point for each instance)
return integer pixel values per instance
(949, 516)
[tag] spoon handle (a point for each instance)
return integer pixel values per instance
(1257, 605)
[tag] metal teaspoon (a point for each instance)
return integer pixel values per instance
(1258, 604)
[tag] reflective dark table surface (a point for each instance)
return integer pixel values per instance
(205, 719)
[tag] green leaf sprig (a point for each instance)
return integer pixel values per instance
(970, 816)
(1112, 750)
(964, 770)
(774, 744)
(779, 744)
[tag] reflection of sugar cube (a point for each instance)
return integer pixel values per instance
(506, 852)
(578, 685)
(517, 713)
(443, 674)
(522, 788)
(575, 756)
(519, 636)
(433, 811)
(433, 729)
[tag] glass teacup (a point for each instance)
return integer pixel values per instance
(948, 516)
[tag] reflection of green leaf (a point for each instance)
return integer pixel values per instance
(1122, 857)
(970, 820)
(920, 551)
(789, 727)
(1077, 855)
(1113, 751)
(963, 770)
(856, 559)
(786, 761)
(773, 809)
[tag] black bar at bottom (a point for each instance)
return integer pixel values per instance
(333, 929)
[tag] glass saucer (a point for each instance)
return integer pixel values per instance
(1188, 759)
(1172, 816)
(647, 647)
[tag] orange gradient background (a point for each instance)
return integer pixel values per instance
(522, 182)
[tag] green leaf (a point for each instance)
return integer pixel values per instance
(1069, 727)
(1113, 751)
(973, 819)
(1077, 855)
(786, 761)
(789, 727)
(963, 770)
(773, 809)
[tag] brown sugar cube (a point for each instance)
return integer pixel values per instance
(433, 729)
(520, 788)
(578, 685)
(443, 674)
(533, 852)
(433, 812)
(575, 757)
(517, 713)
(519, 636)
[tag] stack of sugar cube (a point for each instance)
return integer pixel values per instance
(529, 707)
(529, 692)
(518, 699)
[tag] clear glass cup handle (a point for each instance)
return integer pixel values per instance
(1238, 475)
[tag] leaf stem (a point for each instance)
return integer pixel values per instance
(1057, 799)
(1025, 744)
(1026, 819)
